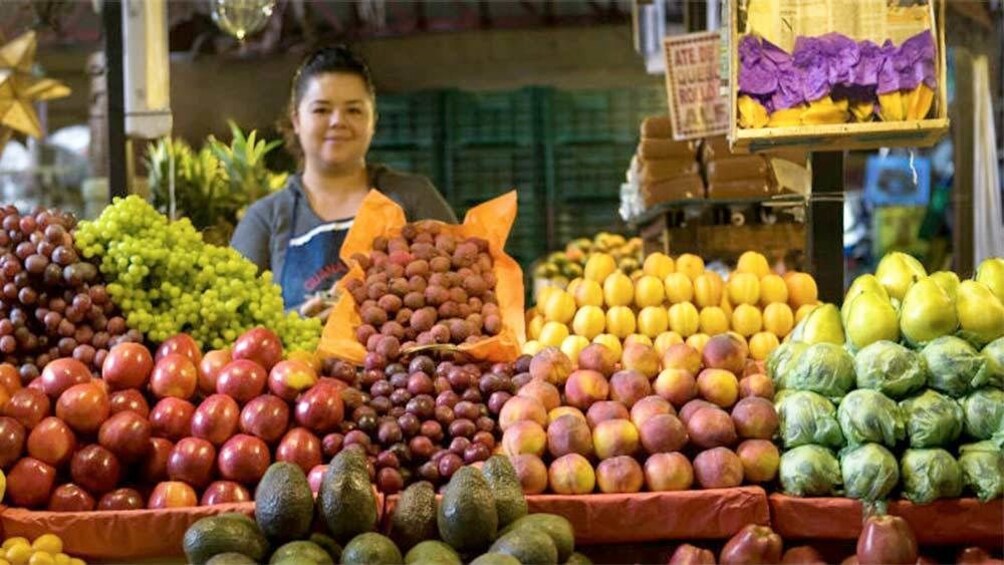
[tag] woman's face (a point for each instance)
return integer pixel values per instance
(334, 121)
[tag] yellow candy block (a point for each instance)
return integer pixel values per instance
(921, 100)
(786, 117)
(891, 107)
(752, 114)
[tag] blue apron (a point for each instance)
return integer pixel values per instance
(311, 263)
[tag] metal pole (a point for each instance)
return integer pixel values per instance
(118, 179)
(826, 225)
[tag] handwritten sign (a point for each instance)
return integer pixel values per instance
(696, 107)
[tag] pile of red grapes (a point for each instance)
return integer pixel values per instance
(52, 302)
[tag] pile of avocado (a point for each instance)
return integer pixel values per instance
(481, 518)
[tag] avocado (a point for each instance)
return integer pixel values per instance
(495, 559)
(346, 499)
(224, 534)
(557, 527)
(578, 559)
(371, 549)
(432, 552)
(306, 552)
(284, 505)
(467, 519)
(231, 558)
(506, 488)
(529, 546)
(329, 545)
(414, 517)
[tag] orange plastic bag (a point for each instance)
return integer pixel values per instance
(381, 216)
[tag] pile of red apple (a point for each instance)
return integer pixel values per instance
(160, 430)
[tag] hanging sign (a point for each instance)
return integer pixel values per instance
(697, 107)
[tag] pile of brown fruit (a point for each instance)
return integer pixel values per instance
(425, 287)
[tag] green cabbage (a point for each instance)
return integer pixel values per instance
(953, 366)
(932, 419)
(782, 359)
(870, 472)
(869, 416)
(993, 354)
(930, 474)
(984, 413)
(983, 469)
(808, 418)
(810, 470)
(890, 368)
(825, 368)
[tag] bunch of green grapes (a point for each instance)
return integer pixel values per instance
(167, 280)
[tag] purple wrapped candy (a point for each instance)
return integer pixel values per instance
(888, 77)
(827, 61)
(915, 61)
(769, 74)
(870, 61)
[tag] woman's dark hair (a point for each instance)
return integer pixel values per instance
(334, 59)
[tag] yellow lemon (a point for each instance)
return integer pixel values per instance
(772, 290)
(697, 341)
(684, 319)
(649, 291)
(653, 320)
(746, 320)
(62, 559)
(544, 293)
(690, 265)
(572, 346)
(804, 310)
(560, 307)
(76, 561)
(570, 289)
(48, 542)
(778, 319)
(588, 293)
(19, 554)
(11, 542)
(620, 321)
(708, 289)
(589, 322)
(658, 265)
(41, 558)
(801, 289)
(599, 266)
(532, 347)
(534, 327)
(618, 290)
(761, 344)
(665, 340)
(754, 263)
(740, 339)
(638, 339)
(744, 288)
(679, 288)
(713, 320)
(611, 342)
(552, 334)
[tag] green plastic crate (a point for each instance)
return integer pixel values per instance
(601, 116)
(493, 118)
(421, 161)
(590, 172)
(481, 173)
(409, 120)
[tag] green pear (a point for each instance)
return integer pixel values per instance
(927, 313)
(898, 272)
(948, 281)
(870, 318)
(822, 325)
(981, 314)
(991, 273)
(864, 283)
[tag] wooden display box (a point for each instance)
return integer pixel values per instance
(850, 136)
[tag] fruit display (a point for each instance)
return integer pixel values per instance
(898, 394)
(644, 422)
(560, 267)
(167, 280)
(670, 301)
(45, 549)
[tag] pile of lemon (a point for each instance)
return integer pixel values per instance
(670, 301)
(47, 549)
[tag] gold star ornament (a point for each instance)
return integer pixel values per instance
(20, 89)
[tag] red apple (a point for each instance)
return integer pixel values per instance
(174, 375)
(181, 344)
(10, 379)
(259, 345)
(215, 420)
(171, 418)
(289, 378)
(127, 365)
(12, 436)
(36, 384)
(224, 492)
(96, 469)
(28, 406)
(52, 442)
(30, 482)
(320, 409)
(244, 459)
(192, 461)
(131, 400)
(300, 447)
(100, 383)
(242, 379)
(84, 407)
(266, 417)
(209, 369)
(61, 374)
(71, 498)
(172, 494)
(122, 499)
(127, 435)
(315, 476)
(155, 465)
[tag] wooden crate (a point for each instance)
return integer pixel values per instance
(836, 137)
